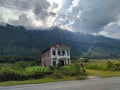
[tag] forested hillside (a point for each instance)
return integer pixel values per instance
(17, 43)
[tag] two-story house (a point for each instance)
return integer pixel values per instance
(57, 54)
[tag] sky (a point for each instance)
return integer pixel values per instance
(97, 17)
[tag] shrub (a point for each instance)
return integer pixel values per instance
(110, 66)
(37, 72)
(68, 70)
(85, 60)
(7, 74)
(117, 66)
(73, 70)
(57, 74)
(22, 65)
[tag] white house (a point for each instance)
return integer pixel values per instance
(57, 54)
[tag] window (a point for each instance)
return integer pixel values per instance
(59, 53)
(54, 53)
(63, 53)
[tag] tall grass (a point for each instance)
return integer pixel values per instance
(7, 74)
(104, 65)
(37, 71)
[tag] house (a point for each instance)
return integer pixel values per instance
(57, 54)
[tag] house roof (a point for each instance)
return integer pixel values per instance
(57, 45)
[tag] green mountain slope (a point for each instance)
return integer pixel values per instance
(19, 42)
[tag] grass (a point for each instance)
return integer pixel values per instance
(35, 81)
(102, 73)
(90, 72)
(103, 62)
(11, 83)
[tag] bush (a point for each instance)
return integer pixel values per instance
(22, 65)
(117, 66)
(7, 74)
(57, 74)
(73, 70)
(110, 66)
(85, 60)
(37, 72)
(68, 70)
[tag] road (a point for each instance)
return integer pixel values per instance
(96, 84)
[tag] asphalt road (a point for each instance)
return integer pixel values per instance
(96, 84)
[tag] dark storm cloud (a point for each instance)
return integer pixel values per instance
(90, 16)
(100, 17)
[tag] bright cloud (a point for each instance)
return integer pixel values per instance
(93, 17)
(34, 13)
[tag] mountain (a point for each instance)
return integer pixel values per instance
(18, 42)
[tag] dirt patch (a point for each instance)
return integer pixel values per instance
(94, 77)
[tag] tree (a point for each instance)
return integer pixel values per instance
(85, 59)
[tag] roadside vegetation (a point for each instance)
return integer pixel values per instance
(106, 65)
(31, 73)
(101, 73)
(103, 68)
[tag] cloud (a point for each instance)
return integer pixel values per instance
(111, 30)
(33, 13)
(92, 16)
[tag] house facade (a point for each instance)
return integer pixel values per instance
(56, 55)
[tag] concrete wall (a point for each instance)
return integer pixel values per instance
(46, 58)
(60, 57)
(61, 53)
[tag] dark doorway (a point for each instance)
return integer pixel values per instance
(61, 63)
(54, 63)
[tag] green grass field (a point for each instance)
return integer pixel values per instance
(100, 69)
(102, 73)
(109, 65)
(103, 62)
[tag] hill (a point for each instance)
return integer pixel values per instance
(19, 42)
